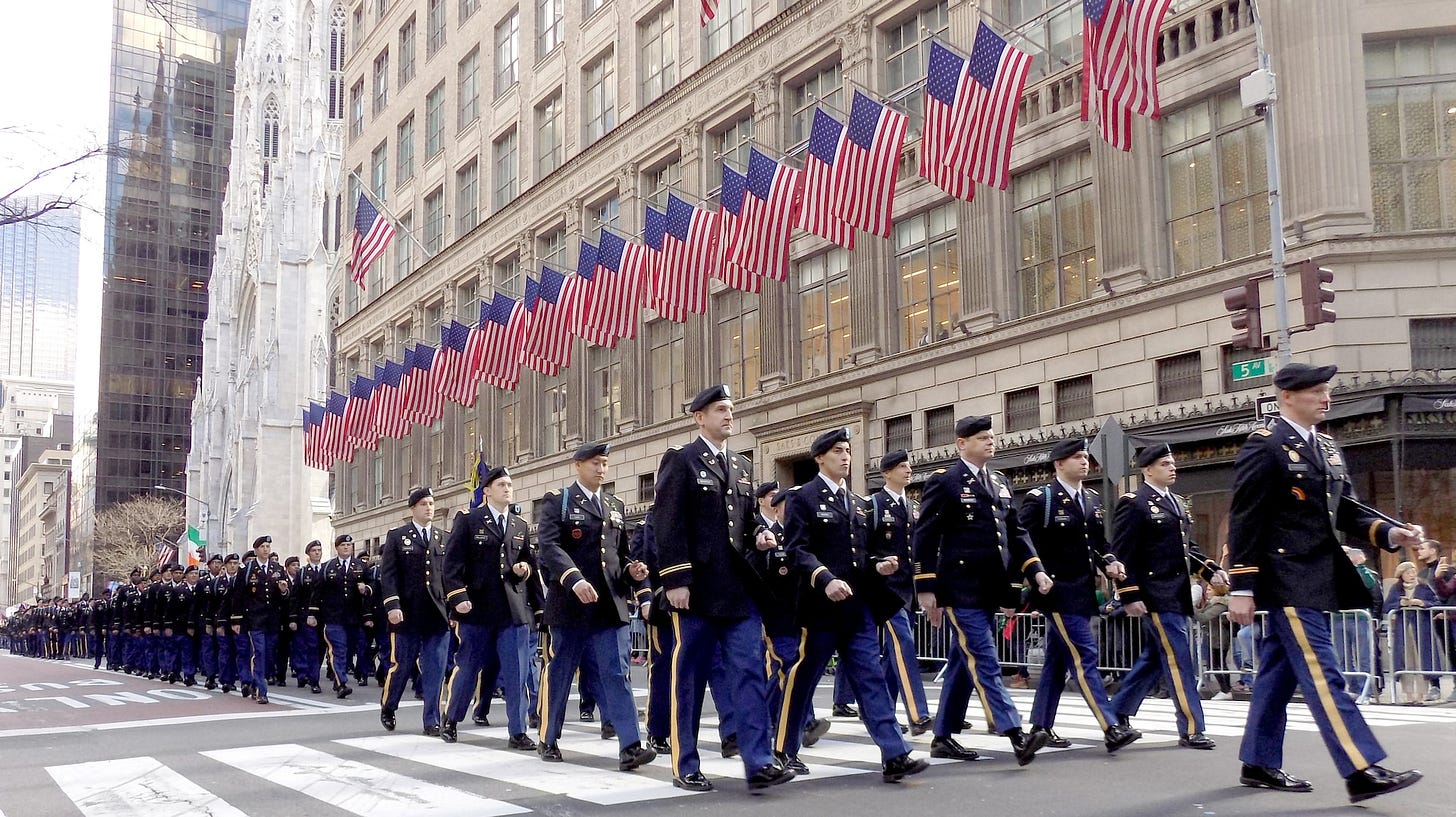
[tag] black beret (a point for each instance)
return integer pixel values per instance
(261, 540)
(419, 493)
(190, 569)
(779, 498)
(1067, 448)
(1296, 376)
(494, 474)
(766, 488)
(136, 571)
(342, 538)
(214, 558)
(971, 426)
(828, 440)
(893, 459)
(171, 567)
(314, 544)
(591, 450)
(1151, 454)
(154, 574)
(709, 396)
(291, 560)
(231, 557)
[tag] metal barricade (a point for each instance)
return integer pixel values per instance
(1419, 644)
(1229, 653)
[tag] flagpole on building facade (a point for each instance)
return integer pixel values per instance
(1014, 31)
(364, 189)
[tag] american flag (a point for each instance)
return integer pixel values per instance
(618, 305)
(392, 421)
(1120, 64)
(425, 404)
(595, 283)
(506, 322)
(689, 258)
(358, 420)
(376, 404)
(871, 156)
(823, 174)
(372, 232)
(457, 383)
(947, 105)
(730, 217)
(313, 455)
(709, 10)
(333, 440)
(985, 114)
(654, 229)
(548, 339)
(767, 222)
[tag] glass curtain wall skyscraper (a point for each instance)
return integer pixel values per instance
(39, 267)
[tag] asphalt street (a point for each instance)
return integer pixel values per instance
(76, 741)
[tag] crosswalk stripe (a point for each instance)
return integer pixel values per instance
(593, 785)
(359, 788)
(136, 787)
(710, 763)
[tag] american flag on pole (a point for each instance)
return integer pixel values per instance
(618, 305)
(358, 422)
(654, 230)
(1120, 64)
(767, 222)
(990, 89)
(593, 288)
(335, 440)
(376, 404)
(456, 382)
(823, 174)
(425, 404)
(548, 339)
(730, 217)
(406, 392)
(392, 421)
(689, 258)
(708, 11)
(947, 108)
(506, 324)
(372, 232)
(313, 454)
(871, 156)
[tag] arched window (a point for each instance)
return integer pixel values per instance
(337, 23)
(270, 138)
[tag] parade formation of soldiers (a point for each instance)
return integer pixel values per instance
(748, 592)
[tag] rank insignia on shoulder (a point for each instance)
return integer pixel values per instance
(1129, 495)
(1263, 432)
(674, 448)
(553, 492)
(1034, 492)
(940, 471)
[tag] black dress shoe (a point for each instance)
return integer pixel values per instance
(1378, 780)
(1124, 720)
(481, 720)
(189, 681)
(550, 752)
(902, 767)
(793, 762)
(1027, 745)
(693, 782)
(965, 726)
(813, 731)
(302, 683)
(386, 718)
(226, 688)
(262, 700)
(343, 692)
(920, 727)
(634, 756)
(211, 683)
(730, 746)
(1118, 736)
(660, 745)
(433, 731)
(608, 731)
(1054, 740)
(534, 721)
(770, 775)
(948, 748)
(315, 689)
(1197, 740)
(1262, 777)
(522, 741)
(449, 732)
(845, 711)
(587, 717)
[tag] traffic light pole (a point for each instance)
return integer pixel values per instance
(1265, 108)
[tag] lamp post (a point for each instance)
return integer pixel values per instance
(205, 507)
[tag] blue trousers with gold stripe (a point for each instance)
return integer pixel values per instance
(568, 645)
(971, 662)
(783, 653)
(697, 640)
(856, 639)
(1296, 653)
(1070, 646)
(406, 646)
(659, 680)
(901, 664)
(485, 656)
(1167, 653)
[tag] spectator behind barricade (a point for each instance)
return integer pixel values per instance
(1434, 571)
(1116, 645)
(1355, 645)
(1209, 605)
(1412, 649)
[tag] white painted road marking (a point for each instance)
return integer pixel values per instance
(136, 787)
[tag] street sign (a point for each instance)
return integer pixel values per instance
(1109, 448)
(1250, 369)
(1267, 407)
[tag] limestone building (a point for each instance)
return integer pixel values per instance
(500, 133)
(265, 339)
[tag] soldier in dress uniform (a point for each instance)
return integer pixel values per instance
(174, 620)
(257, 603)
(706, 535)
(339, 606)
(1066, 524)
(411, 578)
(306, 641)
(223, 586)
(100, 640)
(843, 600)
(373, 657)
(891, 515)
(1292, 494)
(583, 553)
(970, 550)
(1150, 533)
(490, 564)
(204, 602)
(652, 608)
(288, 624)
(122, 607)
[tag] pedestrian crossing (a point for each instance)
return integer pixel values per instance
(386, 775)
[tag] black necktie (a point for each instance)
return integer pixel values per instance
(597, 503)
(723, 462)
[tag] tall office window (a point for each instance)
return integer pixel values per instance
(434, 121)
(727, 27)
(738, 340)
(404, 147)
(407, 39)
(930, 279)
(823, 312)
(467, 194)
(507, 52)
(1218, 191)
(381, 81)
(435, 220)
(665, 375)
(468, 73)
(823, 87)
(906, 49)
(549, 148)
(599, 99)
(504, 151)
(548, 26)
(435, 35)
(655, 34)
(1410, 93)
(1056, 229)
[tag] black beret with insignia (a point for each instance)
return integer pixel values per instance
(342, 539)
(893, 459)
(136, 571)
(766, 488)
(493, 474)
(1151, 454)
(214, 558)
(190, 569)
(780, 498)
(591, 450)
(1067, 448)
(709, 396)
(262, 540)
(291, 560)
(971, 426)
(419, 493)
(1297, 376)
(828, 440)
(231, 557)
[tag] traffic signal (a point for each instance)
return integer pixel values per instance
(1243, 302)
(1316, 292)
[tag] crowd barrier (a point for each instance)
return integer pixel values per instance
(1420, 651)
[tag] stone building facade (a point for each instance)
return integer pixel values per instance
(1090, 289)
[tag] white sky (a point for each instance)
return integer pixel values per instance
(55, 57)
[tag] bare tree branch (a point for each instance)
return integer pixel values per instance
(22, 204)
(126, 534)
